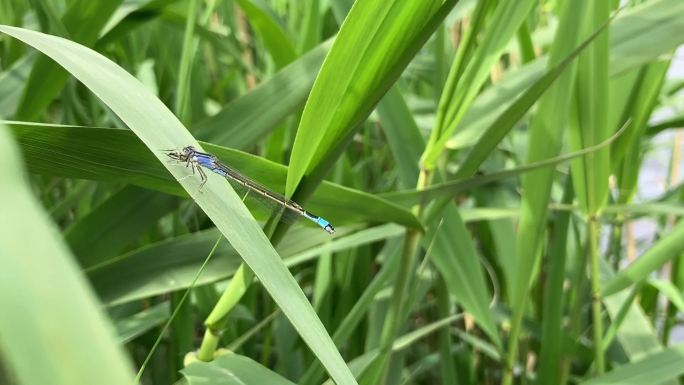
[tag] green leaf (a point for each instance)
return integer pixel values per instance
(171, 264)
(117, 155)
(47, 79)
(231, 369)
(550, 359)
(161, 267)
(11, 84)
(389, 253)
(275, 39)
(407, 144)
(455, 257)
(651, 21)
(669, 290)
(675, 122)
(117, 223)
(667, 248)
(645, 33)
(627, 317)
(154, 124)
(133, 326)
(403, 135)
(589, 124)
(645, 95)
(455, 102)
(512, 115)
(653, 369)
(311, 25)
(374, 44)
(544, 141)
(453, 187)
(244, 121)
(48, 303)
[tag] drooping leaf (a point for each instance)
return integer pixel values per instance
(153, 123)
(38, 276)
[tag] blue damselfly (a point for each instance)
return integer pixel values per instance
(198, 160)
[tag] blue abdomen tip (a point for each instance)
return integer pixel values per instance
(325, 225)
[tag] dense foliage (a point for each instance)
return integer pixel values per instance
(483, 162)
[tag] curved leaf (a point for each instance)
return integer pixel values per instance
(47, 302)
(231, 369)
(655, 368)
(667, 248)
(375, 42)
(117, 155)
(156, 126)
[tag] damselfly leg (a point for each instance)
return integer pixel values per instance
(180, 156)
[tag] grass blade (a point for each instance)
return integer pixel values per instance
(159, 129)
(387, 35)
(655, 368)
(544, 142)
(664, 250)
(48, 299)
(117, 155)
(47, 78)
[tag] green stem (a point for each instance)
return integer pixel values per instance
(592, 238)
(218, 317)
(575, 303)
(394, 318)
(187, 58)
(670, 310)
(448, 371)
(616, 241)
(395, 312)
(514, 335)
(355, 315)
(210, 342)
(175, 312)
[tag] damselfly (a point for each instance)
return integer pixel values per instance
(198, 160)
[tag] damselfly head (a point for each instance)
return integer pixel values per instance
(181, 155)
(177, 155)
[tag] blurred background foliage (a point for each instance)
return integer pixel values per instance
(503, 176)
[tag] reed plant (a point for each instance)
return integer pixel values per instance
(503, 178)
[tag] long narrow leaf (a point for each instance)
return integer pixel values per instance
(664, 250)
(87, 153)
(159, 129)
(655, 369)
(354, 77)
(45, 297)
